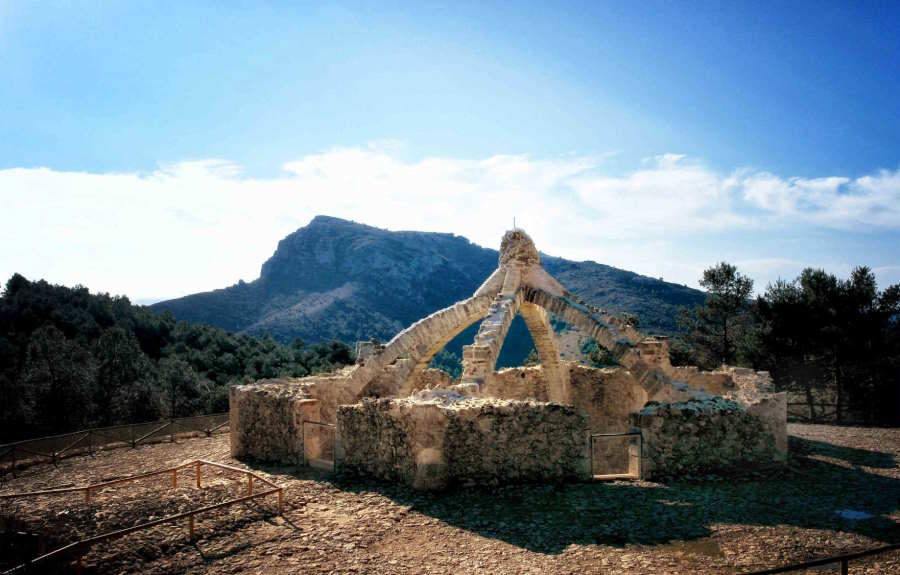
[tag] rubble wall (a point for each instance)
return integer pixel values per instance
(772, 412)
(522, 383)
(266, 420)
(702, 436)
(431, 378)
(608, 396)
(431, 445)
(711, 382)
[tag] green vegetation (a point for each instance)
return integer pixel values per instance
(70, 359)
(817, 334)
(717, 328)
(819, 331)
(599, 356)
(449, 362)
(532, 358)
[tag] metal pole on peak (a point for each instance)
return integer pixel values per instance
(514, 223)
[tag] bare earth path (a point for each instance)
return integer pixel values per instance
(352, 526)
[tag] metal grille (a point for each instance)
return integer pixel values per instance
(318, 445)
(616, 455)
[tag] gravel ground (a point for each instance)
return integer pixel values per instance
(839, 493)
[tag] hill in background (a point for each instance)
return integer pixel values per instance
(337, 279)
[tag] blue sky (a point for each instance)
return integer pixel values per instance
(659, 138)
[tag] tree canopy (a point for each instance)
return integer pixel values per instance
(716, 329)
(70, 359)
(820, 332)
(823, 336)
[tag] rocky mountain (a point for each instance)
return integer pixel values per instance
(337, 279)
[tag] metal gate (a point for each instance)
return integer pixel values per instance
(318, 445)
(616, 455)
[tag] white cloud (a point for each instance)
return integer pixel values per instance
(201, 225)
(670, 196)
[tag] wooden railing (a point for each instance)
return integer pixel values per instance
(79, 548)
(52, 448)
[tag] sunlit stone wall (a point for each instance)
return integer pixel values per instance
(434, 441)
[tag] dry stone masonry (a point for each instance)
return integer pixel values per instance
(435, 439)
(394, 418)
(702, 436)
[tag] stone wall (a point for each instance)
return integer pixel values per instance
(266, 420)
(518, 383)
(717, 382)
(702, 436)
(608, 396)
(432, 441)
(772, 412)
(432, 378)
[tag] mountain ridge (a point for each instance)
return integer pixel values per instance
(339, 279)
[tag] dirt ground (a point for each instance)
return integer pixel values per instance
(840, 492)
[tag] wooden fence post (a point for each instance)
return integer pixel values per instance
(198, 475)
(174, 478)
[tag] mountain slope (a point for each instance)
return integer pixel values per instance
(336, 279)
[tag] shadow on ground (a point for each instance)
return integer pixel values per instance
(806, 493)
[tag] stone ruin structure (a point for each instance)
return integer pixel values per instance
(392, 417)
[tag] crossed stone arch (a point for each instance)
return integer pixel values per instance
(519, 285)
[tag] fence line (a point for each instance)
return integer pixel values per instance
(84, 545)
(51, 449)
(817, 412)
(843, 560)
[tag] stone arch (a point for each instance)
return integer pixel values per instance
(519, 284)
(606, 330)
(555, 372)
(420, 338)
(414, 347)
(425, 359)
(609, 331)
(480, 358)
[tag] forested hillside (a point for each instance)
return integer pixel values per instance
(71, 359)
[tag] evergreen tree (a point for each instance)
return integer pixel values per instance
(71, 359)
(717, 330)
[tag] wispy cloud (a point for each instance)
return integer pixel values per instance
(199, 225)
(838, 202)
(671, 195)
